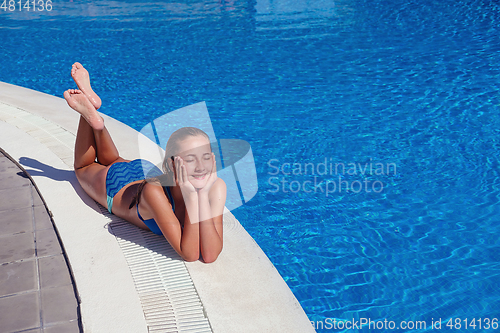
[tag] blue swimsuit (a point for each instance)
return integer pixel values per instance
(121, 174)
(151, 223)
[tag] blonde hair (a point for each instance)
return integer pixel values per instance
(171, 150)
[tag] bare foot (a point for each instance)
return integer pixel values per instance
(81, 104)
(81, 77)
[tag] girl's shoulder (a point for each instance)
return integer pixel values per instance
(218, 189)
(219, 184)
(153, 191)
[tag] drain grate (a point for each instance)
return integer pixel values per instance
(167, 294)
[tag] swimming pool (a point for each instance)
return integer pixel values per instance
(404, 89)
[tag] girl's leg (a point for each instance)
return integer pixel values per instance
(82, 79)
(106, 150)
(85, 145)
(86, 102)
(91, 142)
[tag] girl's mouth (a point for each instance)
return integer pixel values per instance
(199, 177)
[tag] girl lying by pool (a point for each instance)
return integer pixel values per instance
(188, 212)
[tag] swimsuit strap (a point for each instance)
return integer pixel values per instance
(170, 197)
(151, 223)
(138, 213)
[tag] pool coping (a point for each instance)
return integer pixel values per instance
(241, 292)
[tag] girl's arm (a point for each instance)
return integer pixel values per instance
(211, 206)
(203, 218)
(185, 242)
(211, 200)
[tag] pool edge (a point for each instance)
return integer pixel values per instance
(241, 290)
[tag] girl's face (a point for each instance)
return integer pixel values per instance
(196, 154)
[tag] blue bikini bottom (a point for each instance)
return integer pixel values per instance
(121, 174)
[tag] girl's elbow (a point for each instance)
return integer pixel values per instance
(191, 256)
(210, 256)
(210, 259)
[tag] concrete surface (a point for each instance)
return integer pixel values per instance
(241, 292)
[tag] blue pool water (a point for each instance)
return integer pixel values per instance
(407, 89)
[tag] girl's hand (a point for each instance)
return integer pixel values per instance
(211, 179)
(181, 178)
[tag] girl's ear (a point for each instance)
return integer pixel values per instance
(170, 164)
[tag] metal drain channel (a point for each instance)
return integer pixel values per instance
(167, 293)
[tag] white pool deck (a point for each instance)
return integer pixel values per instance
(123, 278)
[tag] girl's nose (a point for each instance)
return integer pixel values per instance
(199, 166)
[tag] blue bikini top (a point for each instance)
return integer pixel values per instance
(151, 223)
